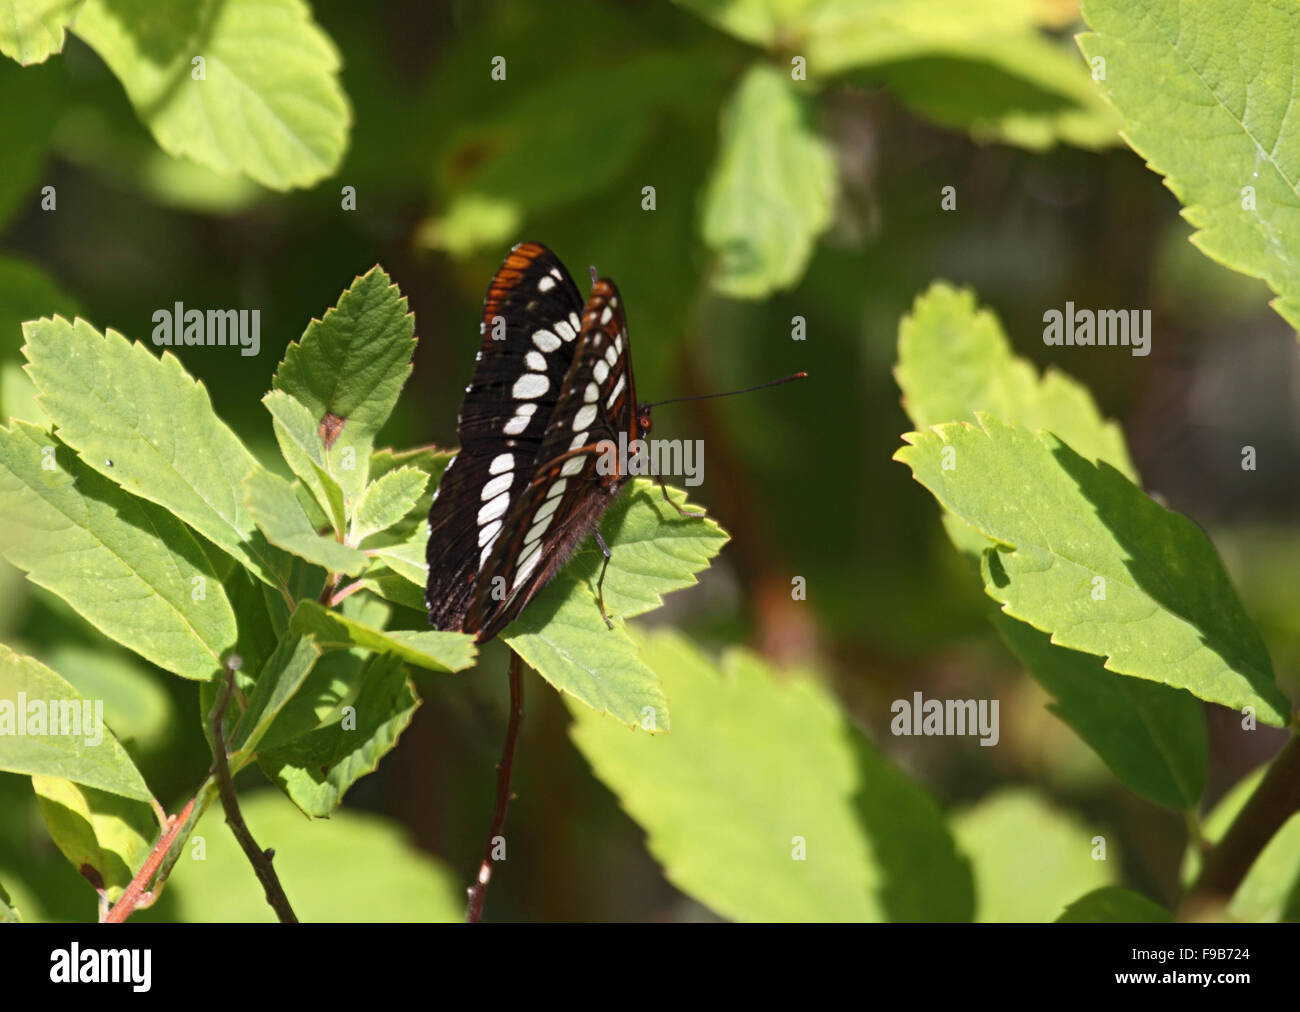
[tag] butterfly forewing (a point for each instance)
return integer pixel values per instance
(532, 318)
(568, 492)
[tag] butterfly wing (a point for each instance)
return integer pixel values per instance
(530, 328)
(568, 492)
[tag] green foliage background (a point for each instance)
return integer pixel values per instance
(776, 196)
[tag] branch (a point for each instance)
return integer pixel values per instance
(258, 858)
(1275, 800)
(478, 891)
(135, 896)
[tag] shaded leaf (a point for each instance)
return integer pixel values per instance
(128, 567)
(316, 769)
(32, 698)
(770, 193)
(1207, 94)
(104, 836)
(113, 401)
(1165, 611)
(1114, 905)
(435, 650)
(268, 103)
(1030, 859)
(765, 804)
(30, 30)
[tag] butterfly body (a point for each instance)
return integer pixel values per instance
(552, 389)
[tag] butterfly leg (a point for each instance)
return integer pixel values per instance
(686, 513)
(600, 583)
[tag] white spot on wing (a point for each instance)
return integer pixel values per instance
(600, 371)
(565, 331)
(547, 341)
(546, 284)
(605, 315)
(618, 389)
(592, 392)
(575, 323)
(523, 415)
(496, 486)
(585, 416)
(548, 508)
(573, 465)
(530, 385)
(611, 356)
(538, 529)
(490, 511)
(488, 533)
(557, 488)
(580, 440)
(501, 462)
(527, 566)
(535, 361)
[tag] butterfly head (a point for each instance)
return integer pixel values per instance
(643, 421)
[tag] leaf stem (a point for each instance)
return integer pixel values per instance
(478, 891)
(258, 858)
(135, 896)
(1274, 801)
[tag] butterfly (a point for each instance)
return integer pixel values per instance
(552, 389)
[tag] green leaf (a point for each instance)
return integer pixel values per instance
(435, 650)
(114, 402)
(1271, 889)
(18, 397)
(300, 442)
(26, 292)
(1030, 859)
(984, 68)
(8, 913)
(136, 706)
(770, 193)
(105, 836)
(33, 100)
(280, 678)
(1114, 905)
(349, 368)
(1163, 610)
(32, 698)
(1151, 736)
(765, 804)
(954, 359)
(316, 769)
(30, 30)
(407, 558)
(268, 103)
(129, 568)
(1206, 91)
(573, 132)
(653, 550)
(357, 868)
(394, 588)
(386, 501)
(279, 515)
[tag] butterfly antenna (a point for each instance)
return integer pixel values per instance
(729, 393)
(592, 268)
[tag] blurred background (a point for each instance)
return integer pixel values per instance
(600, 100)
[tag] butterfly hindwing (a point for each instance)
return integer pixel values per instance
(530, 328)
